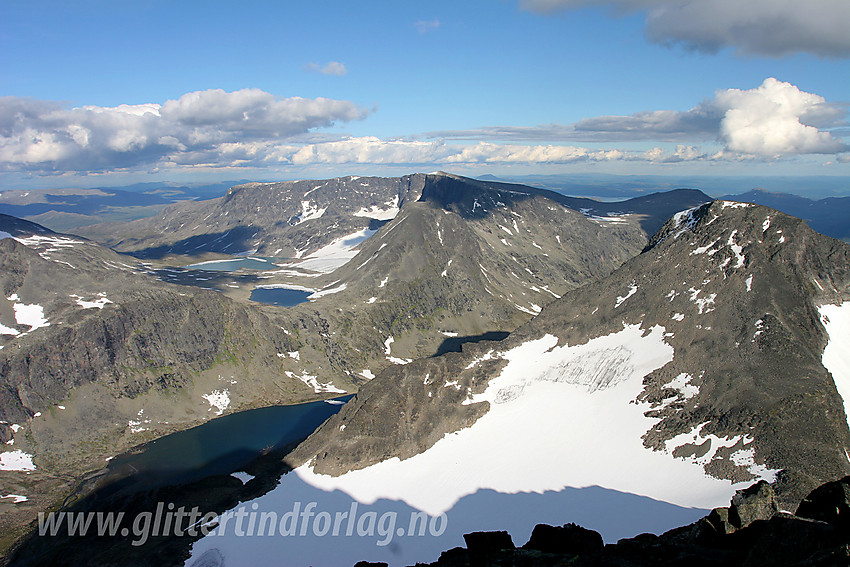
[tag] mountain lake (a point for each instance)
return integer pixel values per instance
(282, 296)
(224, 444)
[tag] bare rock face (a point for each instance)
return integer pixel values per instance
(757, 502)
(484, 543)
(829, 503)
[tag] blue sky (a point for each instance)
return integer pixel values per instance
(97, 92)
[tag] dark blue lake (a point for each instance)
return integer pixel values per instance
(279, 296)
(224, 444)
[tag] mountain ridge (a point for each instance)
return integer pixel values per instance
(784, 325)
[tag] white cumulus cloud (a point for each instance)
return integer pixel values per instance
(41, 135)
(775, 119)
(771, 120)
(773, 28)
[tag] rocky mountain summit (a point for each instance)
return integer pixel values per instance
(706, 351)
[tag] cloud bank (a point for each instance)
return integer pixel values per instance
(42, 135)
(772, 120)
(772, 28)
(254, 129)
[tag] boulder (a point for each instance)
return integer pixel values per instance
(484, 543)
(829, 502)
(758, 502)
(569, 538)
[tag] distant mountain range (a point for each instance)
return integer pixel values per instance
(609, 187)
(829, 216)
(66, 209)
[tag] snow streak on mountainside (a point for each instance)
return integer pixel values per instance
(836, 355)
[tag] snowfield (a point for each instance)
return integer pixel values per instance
(335, 254)
(561, 442)
(554, 406)
(836, 355)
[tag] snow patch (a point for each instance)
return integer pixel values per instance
(218, 400)
(336, 254)
(681, 383)
(632, 290)
(704, 249)
(313, 382)
(736, 249)
(388, 212)
(16, 498)
(4, 330)
(705, 303)
(136, 425)
(243, 476)
(367, 374)
(325, 292)
(735, 205)
(32, 315)
(98, 303)
(16, 461)
(685, 218)
(310, 212)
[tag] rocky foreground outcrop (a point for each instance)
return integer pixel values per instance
(752, 531)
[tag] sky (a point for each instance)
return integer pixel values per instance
(101, 92)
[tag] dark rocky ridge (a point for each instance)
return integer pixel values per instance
(280, 219)
(769, 386)
(751, 531)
